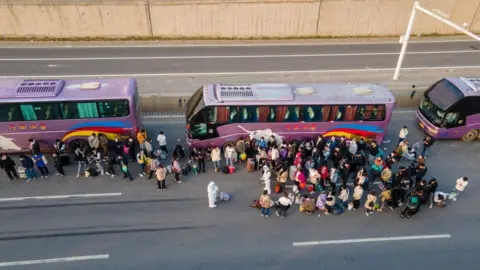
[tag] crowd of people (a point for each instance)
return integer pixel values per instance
(320, 169)
(96, 158)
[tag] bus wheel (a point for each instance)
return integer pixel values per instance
(78, 142)
(470, 136)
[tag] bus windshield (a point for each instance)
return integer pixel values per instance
(444, 94)
(431, 112)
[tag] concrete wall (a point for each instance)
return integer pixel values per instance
(70, 19)
(227, 18)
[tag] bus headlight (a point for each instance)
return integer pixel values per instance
(433, 130)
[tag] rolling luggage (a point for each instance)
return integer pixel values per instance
(278, 188)
(250, 165)
(224, 196)
(21, 172)
(291, 172)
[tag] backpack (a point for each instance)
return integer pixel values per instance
(338, 209)
(414, 201)
(278, 188)
(225, 196)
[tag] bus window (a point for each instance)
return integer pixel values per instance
(292, 114)
(87, 110)
(233, 116)
(41, 111)
(312, 113)
(350, 112)
(69, 110)
(248, 114)
(337, 113)
(113, 108)
(212, 115)
(371, 113)
(452, 120)
(272, 114)
(262, 114)
(10, 113)
(28, 112)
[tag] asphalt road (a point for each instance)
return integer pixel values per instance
(178, 60)
(174, 229)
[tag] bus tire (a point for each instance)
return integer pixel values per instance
(470, 136)
(80, 142)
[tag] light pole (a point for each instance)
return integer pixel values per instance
(416, 6)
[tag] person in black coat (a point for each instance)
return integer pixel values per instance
(118, 147)
(57, 162)
(28, 164)
(7, 164)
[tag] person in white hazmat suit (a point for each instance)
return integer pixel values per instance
(212, 190)
(266, 177)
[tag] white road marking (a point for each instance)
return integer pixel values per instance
(284, 72)
(53, 197)
(222, 44)
(370, 240)
(55, 260)
(228, 56)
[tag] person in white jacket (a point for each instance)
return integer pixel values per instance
(275, 155)
(229, 152)
(267, 179)
(402, 135)
(212, 190)
(460, 186)
(216, 158)
(344, 195)
(353, 147)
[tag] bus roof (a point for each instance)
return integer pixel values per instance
(468, 86)
(291, 94)
(12, 91)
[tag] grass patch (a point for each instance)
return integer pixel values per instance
(161, 38)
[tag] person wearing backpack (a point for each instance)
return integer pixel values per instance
(412, 204)
(265, 204)
(142, 161)
(41, 163)
(28, 164)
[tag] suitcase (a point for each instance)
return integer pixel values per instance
(250, 165)
(21, 172)
(231, 169)
(224, 196)
(291, 172)
(278, 188)
(64, 159)
(226, 170)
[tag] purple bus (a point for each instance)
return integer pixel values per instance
(451, 109)
(217, 114)
(69, 110)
